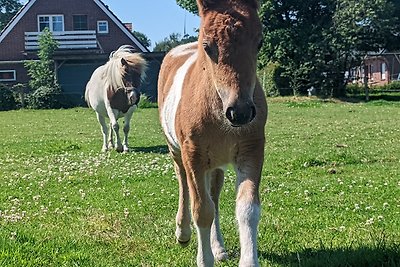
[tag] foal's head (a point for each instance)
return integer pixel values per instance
(230, 37)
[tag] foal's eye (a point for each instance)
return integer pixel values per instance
(211, 50)
(207, 47)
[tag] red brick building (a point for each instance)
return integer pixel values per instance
(87, 32)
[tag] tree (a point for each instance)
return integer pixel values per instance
(42, 71)
(189, 5)
(143, 38)
(8, 8)
(172, 41)
(315, 42)
(46, 90)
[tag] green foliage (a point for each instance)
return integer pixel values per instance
(42, 72)
(143, 38)
(271, 80)
(172, 41)
(46, 91)
(189, 5)
(7, 99)
(46, 98)
(8, 8)
(144, 102)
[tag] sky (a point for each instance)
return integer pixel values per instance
(157, 19)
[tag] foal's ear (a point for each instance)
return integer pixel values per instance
(124, 62)
(205, 5)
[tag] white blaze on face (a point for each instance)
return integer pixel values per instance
(168, 112)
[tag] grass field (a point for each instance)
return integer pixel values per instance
(330, 190)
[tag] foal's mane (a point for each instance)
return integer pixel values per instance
(113, 73)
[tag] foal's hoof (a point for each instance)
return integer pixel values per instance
(183, 243)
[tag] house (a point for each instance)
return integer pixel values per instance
(87, 32)
(381, 68)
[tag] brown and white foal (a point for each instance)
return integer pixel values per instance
(213, 112)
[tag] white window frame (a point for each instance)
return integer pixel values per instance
(51, 21)
(9, 80)
(105, 23)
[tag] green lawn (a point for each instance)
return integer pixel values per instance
(330, 190)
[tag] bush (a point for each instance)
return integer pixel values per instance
(7, 99)
(144, 102)
(354, 89)
(272, 81)
(46, 98)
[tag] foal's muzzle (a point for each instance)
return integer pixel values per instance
(241, 114)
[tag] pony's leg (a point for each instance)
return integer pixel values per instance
(110, 136)
(115, 126)
(103, 124)
(127, 121)
(248, 168)
(201, 203)
(183, 231)
(217, 242)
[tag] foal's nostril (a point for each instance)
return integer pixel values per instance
(239, 116)
(230, 114)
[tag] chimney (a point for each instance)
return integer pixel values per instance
(129, 26)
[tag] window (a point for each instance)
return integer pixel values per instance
(80, 22)
(54, 23)
(8, 75)
(102, 26)
(383, 71)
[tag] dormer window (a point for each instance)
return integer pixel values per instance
(55, 23)
(80, 22)
(102, 26)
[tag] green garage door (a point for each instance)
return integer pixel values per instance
(73, 77)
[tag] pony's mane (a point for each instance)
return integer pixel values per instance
(113, 69)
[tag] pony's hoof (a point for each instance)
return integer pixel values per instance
(126, 149)
(221, 255)
(183, 243)
(119, 149)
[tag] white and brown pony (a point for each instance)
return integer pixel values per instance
(213, 112)
(112, 92)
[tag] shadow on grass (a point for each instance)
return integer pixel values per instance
(160, 149)
(361, 257)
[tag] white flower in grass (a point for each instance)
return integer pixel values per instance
(126, 212)
(380, 218)
(369, 221)
(341, 228)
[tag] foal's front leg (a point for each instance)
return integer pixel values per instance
(248, 170)
(201, 203)
(183, 232)
(217, 241)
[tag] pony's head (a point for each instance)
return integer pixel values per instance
(229, 39)
(125, 70)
